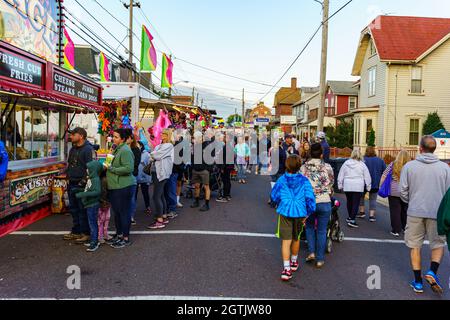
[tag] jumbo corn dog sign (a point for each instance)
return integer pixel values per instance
(30, 189)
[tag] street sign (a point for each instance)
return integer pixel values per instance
(288, 119)
(262, 122)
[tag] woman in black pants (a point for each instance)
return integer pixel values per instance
(353, 177)
(398, 209)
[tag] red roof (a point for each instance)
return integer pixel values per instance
(407, 38)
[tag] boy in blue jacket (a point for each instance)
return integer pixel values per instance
(294, 196)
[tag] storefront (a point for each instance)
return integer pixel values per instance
(38, 102)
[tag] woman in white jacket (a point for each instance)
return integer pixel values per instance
(354, 179)
(163, 157)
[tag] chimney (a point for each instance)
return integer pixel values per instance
(294, 83)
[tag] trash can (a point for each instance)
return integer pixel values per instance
(336, 164)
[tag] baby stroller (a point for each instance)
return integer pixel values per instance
(334, 232)
(215, 180)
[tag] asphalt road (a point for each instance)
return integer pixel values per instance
(229, 252)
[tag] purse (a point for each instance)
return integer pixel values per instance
(148, 168)
(385, 189)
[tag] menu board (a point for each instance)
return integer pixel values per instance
(17, 68)
(73, 87)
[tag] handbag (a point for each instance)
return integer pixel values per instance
(385, 189)
(148, 168)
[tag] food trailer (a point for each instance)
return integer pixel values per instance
(38, 100)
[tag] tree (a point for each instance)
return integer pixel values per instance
(371, 138)
(341, 136)
(234, 118)
(432, 124)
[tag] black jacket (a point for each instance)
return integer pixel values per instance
(137, 160)
(202, 165)
(79, 157)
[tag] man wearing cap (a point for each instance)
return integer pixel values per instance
(322, 137)
(289, 145)
(79, 156)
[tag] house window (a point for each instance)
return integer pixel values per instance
(372, 81)
(414, 132)
(373, 50)
(416, 80)
(352, 103)
(369, 128)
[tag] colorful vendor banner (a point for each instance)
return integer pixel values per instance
(31, 25)
(30, 189)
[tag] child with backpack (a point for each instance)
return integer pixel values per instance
(294, 198)
(90, 199)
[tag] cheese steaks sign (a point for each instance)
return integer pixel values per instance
(30, 189)
(17, 68)
(72, 87)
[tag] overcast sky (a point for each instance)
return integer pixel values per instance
(252, 39)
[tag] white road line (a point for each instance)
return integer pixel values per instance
(167, 298)
(211, 233)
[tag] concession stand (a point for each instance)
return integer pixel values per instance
(38, 103)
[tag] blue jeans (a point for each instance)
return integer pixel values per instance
(92, 214)
(121, 201)
(170, 192)
(79, 215)
(317, 240)
(241, 171)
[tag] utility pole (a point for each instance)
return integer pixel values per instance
(196, 103)
(193, 96)
(130, 35)
(323, 67)
(243, 108)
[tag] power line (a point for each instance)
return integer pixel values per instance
(305, 47)
(222, 73)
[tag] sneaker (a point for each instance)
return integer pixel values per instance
(395, 234)
(361, 216)
(320, 264)
(348, 220)
(204, 208)
(311, 258)
(119, 244)
(352, 224)
(417, 287)
(166, 221)
(72, 236)
(133, 222)
(372, 219)
(156, 225)
(113, 240)
(228, 199)
(294, 266)
(172, 215)
(179, 205)
(83, 239)
(93, 247)
(286, 275)
(222, 200)
(196, 204)
(433, 281)
(101, 241)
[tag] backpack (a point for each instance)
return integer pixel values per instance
(3, 161)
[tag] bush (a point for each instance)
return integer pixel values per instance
(371, 139)
(432, 124)
(341, 136)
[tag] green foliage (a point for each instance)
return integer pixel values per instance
(341, 136)
(432, 124)
(371, 138)
(234, 118)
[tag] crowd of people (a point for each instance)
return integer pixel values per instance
(419, 203)
(302, 182)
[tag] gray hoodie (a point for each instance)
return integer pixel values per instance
(423, 184)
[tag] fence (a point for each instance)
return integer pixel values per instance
(387, 154)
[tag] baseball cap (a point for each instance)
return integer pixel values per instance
(321, 135)
(78, 130)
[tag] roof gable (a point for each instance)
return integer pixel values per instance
(344, 88)
(402, 39)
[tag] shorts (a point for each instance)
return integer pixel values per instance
(417, 228)
(201, 177)
(289, 228)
